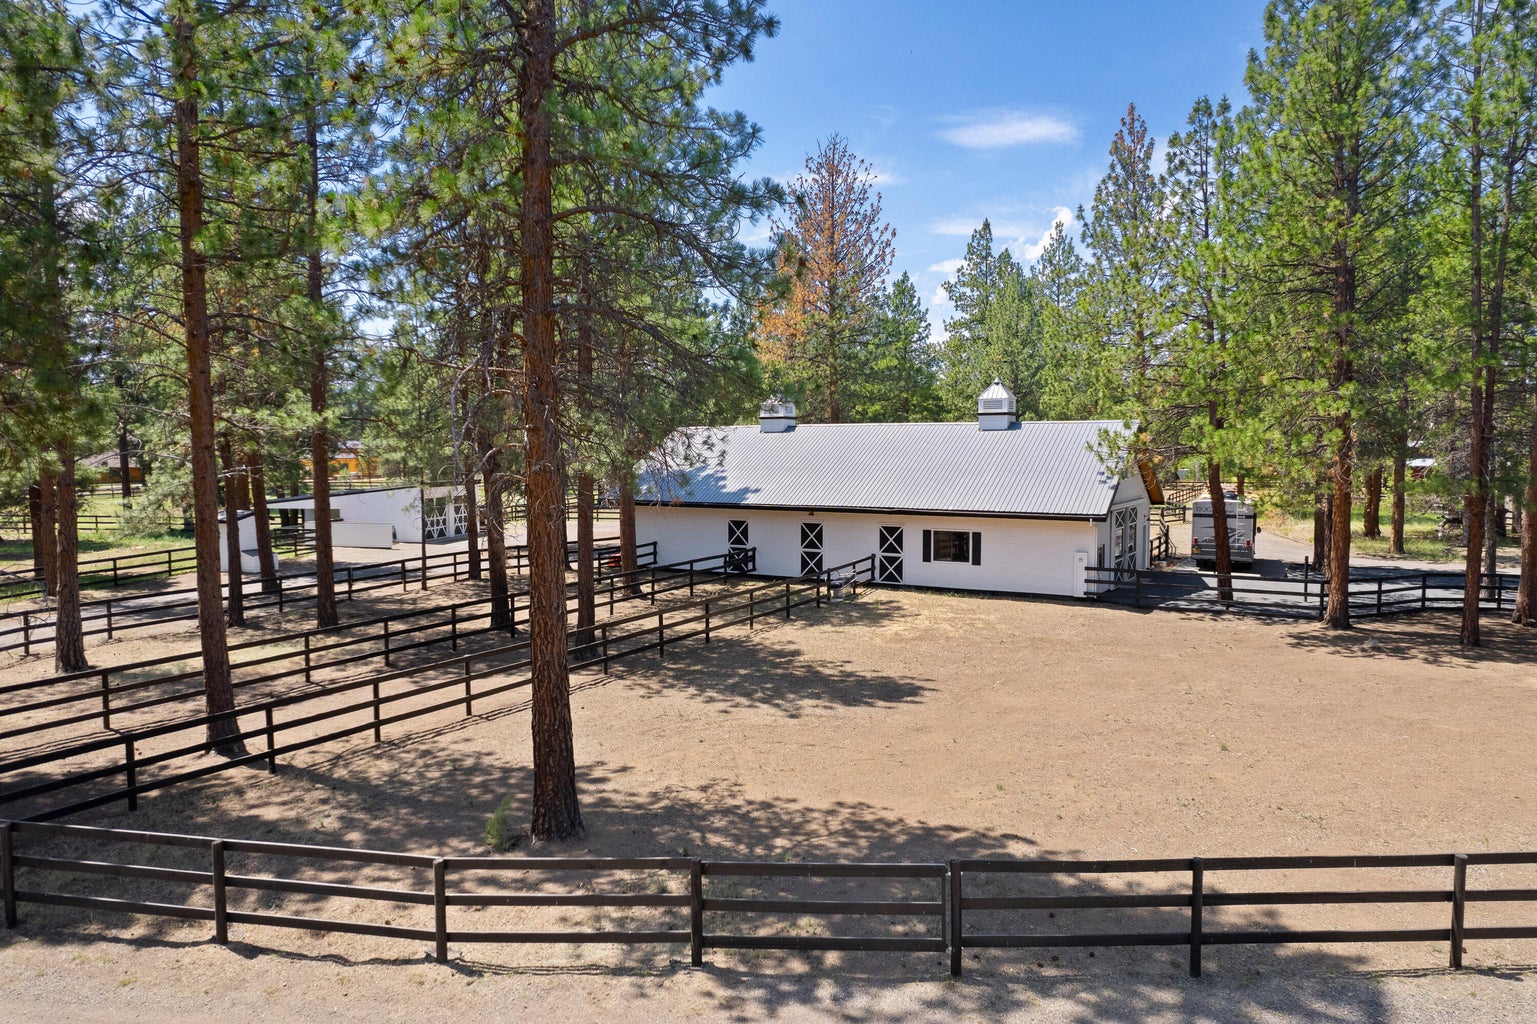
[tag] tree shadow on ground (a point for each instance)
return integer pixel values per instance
(1429, 637)
(427, 814)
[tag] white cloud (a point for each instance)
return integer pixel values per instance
(999, 129)
(880, 175)
(1031, 251)
(939, 298)
(947, 267)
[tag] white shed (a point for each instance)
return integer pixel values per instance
(993, 504)
(382, 516)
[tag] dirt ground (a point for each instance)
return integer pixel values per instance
(903, 726)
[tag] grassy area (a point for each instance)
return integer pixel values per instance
(16, 552)
(1420, 540)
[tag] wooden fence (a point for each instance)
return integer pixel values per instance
(1304, 596)
(103, 617)
(368, 707)
(119, 688)
(940, 915)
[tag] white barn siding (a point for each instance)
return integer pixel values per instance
(1030, 556)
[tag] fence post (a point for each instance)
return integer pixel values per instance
(690, 579)
(272, 735)
(1459, 903)
(468, 691)
(403, 585)
(220, 896)
(377, 738)
(605, 648)
(280, 597)
(133, 775)
(1379, 597)
(106, 701)
(168, 572)
(661, 634)
(386, 643)
(695, 911)
(109, 620)
(26, 633)
(707, 622)
(787, 599)
(8, 871)
(349, 583)
(453, 628)
(954, 877)
(306, 658)
(440, 906)
(752, 599)
(1197, 905)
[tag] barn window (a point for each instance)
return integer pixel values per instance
(952, 546)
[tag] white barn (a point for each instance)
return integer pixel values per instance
(382, 516)
(994, 504)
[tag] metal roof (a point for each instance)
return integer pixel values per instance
(1037, 469)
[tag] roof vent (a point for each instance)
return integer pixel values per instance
(776, 416)
(997, 408)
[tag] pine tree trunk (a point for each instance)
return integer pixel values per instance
(1490, 553)
(1526, 588)
(256, 475)
(48, 518)
(496, 535)
(219, 693)
(39, 533)
(1320, 530)
(1371, 510)
(1400, 460)
(320, 441)
(586, 577)
(1337, 612)
(629, 559)
(234, 604)
(68, 630)
(1238, 485)
(123, 469)
(556, 814)
(471, 525)
(1224, 553)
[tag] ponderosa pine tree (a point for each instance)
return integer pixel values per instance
(1335, 93)
(834, 254)
(995, 333)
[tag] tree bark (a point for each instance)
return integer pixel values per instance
(629, 559)
(1223, 557)
(39, 534)
(1320, 530)
(124, 471)
(496, 534)
(471, 525)
(1337, 612)
(1526, 589)
(234, 586)
(218, 691)
(256, 476)
(556, 814)
(68, 630)
(48, 517)
(1400, 461)
(586, 580)
(320, 440)
(1371, 510)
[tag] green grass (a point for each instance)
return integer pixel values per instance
(1420, 540)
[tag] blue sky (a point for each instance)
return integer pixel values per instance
(973, 109)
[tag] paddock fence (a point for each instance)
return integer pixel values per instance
(115, 615)
(137, 686)
(1303, 596)
(365, 704)
(944, 906)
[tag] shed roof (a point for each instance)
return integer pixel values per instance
(1034, 470)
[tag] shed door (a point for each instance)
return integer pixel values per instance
(888, 556)
(811, 549)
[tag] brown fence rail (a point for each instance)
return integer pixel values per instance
(105, 617)
(1301, 596)
(370, 707)
(118, 689)
(689, 913)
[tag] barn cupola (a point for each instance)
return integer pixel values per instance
(776, 416)
(997, 408)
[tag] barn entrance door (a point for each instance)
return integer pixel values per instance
(811, 549)
(888, 556)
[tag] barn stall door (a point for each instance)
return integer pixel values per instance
(811, 549)
(888, 559)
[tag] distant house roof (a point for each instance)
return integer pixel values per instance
(106, 460)
(1031, 470)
